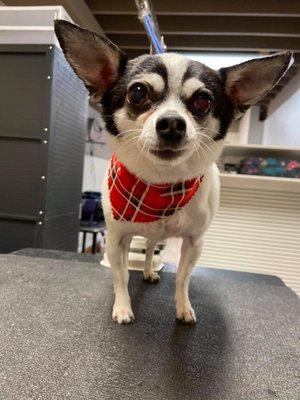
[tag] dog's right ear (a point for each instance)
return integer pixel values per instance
(95, 59)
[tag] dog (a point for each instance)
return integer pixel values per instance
(166, 118)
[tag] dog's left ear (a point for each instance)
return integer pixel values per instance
(95, 59)
(249, 82)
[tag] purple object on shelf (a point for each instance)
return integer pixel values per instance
(92, 212)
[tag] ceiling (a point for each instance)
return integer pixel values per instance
(263, 26)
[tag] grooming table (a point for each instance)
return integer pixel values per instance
(57, 339)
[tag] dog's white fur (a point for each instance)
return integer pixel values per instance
(191, 222)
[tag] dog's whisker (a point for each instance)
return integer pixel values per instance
(210, 129)
(206, 146)
(128, 132)
(199, 132)
(198, 152)
(203, 153)
(208, 156)
(206, 136)
(128, 143)
(144, 147)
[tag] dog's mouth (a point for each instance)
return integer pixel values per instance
(167, 154)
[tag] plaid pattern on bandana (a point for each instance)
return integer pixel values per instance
(135, 200)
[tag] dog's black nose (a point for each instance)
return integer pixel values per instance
(171, 128)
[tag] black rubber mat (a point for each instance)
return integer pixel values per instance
(57, 339)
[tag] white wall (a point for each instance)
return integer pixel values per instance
(97, 153)
(93, 173)
(282, 127)
(244, 127)
(239, 130)
(256, 127)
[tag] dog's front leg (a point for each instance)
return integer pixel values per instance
(190, 252)
(117, 253)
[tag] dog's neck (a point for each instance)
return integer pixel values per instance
(156, 173)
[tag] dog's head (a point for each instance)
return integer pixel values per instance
(166, 109)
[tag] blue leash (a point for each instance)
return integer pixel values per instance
(145, 17)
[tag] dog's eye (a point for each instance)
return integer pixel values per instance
(138, 94)
(200, 105)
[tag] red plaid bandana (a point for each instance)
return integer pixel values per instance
(135, 200)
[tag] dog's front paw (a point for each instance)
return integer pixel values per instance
(186, 314)
(151, 276)
(122, 314)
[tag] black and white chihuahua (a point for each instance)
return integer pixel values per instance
(166, 117)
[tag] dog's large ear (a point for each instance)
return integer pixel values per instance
(95, 59)
(250, 81)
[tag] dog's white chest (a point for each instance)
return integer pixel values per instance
(166, 227)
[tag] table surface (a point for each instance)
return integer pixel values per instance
(57, 339)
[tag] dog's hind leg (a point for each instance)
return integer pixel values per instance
(117, 251)
(190, 252)
(149, 274)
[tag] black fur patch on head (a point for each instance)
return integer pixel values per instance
(223, 109)
(114, 98)
(150, 64)
(111, 101)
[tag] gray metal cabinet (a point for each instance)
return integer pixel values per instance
(43, 119)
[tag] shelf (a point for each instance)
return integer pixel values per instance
(256, 150)
(260, 182)
(261, 146)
